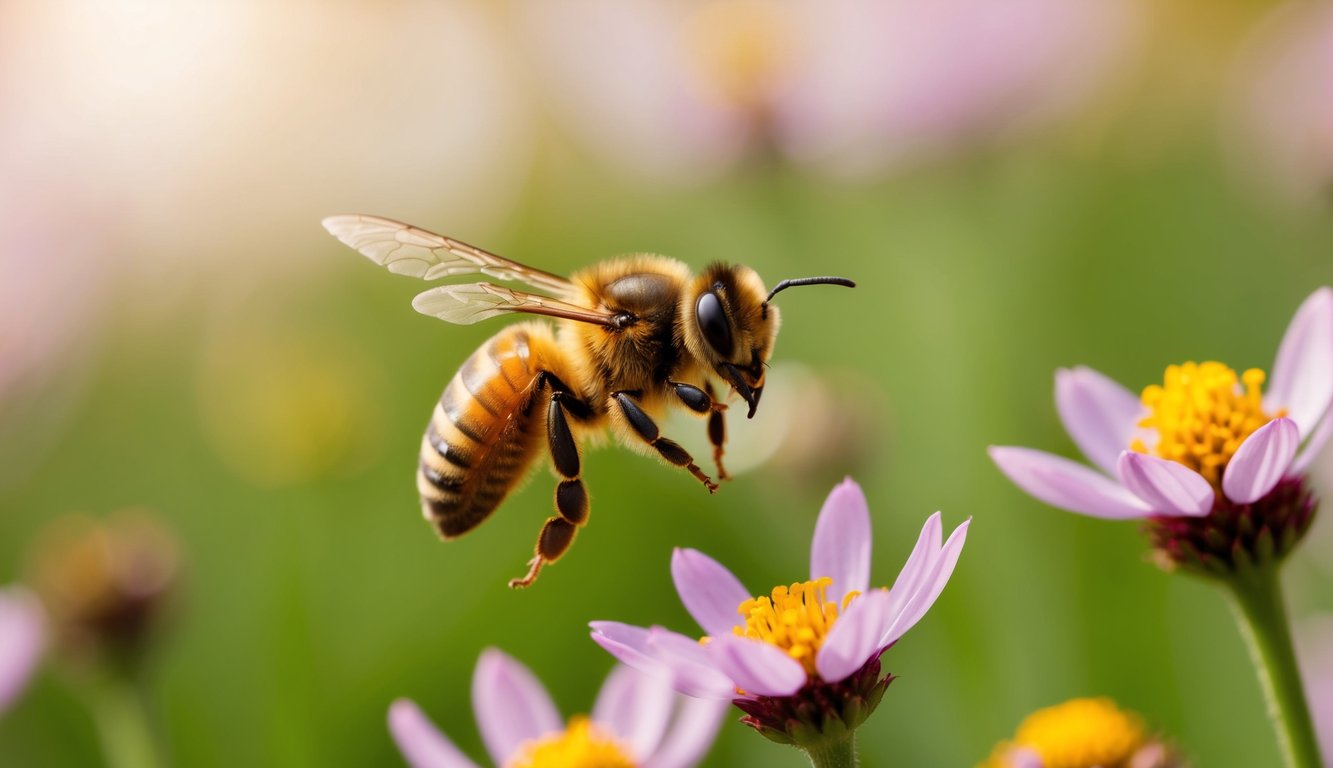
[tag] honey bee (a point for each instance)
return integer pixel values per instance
(634, 336)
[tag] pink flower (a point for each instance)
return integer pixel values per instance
(1103, 418)
(823, 636)
(891, 83)
(1205, 444)
(1283, 114)
(22, 640)
(685, 90)
(1083, 732)
(636, 721)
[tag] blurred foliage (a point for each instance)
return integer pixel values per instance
(276, 427)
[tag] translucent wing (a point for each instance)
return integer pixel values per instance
(407, 250)
(473, 302)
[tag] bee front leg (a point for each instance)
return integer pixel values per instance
(646, 428)
(717, 431)
(705, 401)
(571, 497)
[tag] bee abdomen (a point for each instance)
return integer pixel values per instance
(481, 439)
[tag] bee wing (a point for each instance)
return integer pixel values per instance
(473, 302)
(408, 250)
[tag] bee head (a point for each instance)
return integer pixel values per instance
(731, 326)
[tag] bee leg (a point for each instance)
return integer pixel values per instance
(717, 432)
(705, 401)
(646, 428)
(571, 498)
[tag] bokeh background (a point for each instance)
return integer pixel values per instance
(1016, 186)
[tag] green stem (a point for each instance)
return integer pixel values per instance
(833, 754)
(1257, 601)
(122, 725)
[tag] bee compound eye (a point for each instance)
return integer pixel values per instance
(713, 322)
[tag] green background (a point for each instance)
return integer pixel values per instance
(310, 600)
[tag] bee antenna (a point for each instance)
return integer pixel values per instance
(792, 283)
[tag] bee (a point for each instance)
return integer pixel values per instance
(633, 336)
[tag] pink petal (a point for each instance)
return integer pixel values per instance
(634, 707)
(694, 672)
(757, 668)
(841, 545)
(1314, 649)
(691, 734)
(628, 643)
(1261, 461)
(855, 637)
(22, 640)
(1022, 757)
(1313, 445)
(1067, 485)
(709, 591)
(1100, 415)
(422, 744)
(1168, 487)
(657, 651)
(510, 704)
(918, 563)
(941, 568)
(1302, 380)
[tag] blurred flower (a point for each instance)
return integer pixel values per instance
(636, 721)
(1314, 641)
(623, 76)
(22, 639)
(802, 662)
(1213, 464)
(1083, 733)
(1282, 118)
(217, 136)
(104, 583)
(887, 84)
(55, 262)
(683, 90)
(49, 295)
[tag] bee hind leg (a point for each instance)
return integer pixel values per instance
(571, 498)
(644, 426)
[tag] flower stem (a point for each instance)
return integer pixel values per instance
(122, 725)
(1256, 594)
(833, 754)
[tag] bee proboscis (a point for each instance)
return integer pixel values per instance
(633, 336)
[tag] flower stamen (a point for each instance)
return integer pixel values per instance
(1081, 733)
(1201, 413)
(581, 745)
(794, 618)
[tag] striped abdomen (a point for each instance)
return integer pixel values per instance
(485, 430)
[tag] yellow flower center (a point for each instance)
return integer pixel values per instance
(795, 619)
(581, 745)
(1081, 733)
(739, 48)
(1202, 414)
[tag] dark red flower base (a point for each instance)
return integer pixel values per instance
(820, 711)
(1236, 536)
